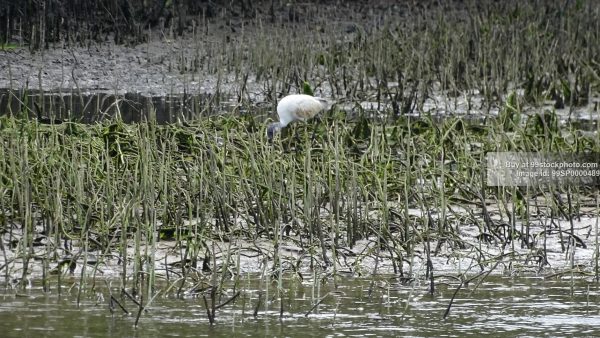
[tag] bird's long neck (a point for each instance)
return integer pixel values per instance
(276, 126)
(283, 122)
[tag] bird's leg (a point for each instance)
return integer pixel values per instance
(315, 128)
(285, 139)
(296, 139)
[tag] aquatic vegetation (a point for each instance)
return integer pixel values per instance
(110, 185)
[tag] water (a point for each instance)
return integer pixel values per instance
(89, 107)
(499, 307)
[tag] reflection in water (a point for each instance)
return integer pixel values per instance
(100, 105)
(502, 307)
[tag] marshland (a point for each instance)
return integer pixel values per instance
(140, 194)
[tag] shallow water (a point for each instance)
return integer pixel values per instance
(94, 106)
(502, 307)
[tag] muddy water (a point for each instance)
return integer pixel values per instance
(89, 107)
(500, 307)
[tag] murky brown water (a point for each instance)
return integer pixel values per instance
(502, 307)
(96, 106)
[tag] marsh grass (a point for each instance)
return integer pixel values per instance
(342, 191)
(405, 56)
(113, 188)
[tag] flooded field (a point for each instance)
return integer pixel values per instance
(136, 170)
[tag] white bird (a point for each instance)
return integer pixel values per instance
(295, 107)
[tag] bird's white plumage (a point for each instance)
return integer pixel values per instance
(296, 107)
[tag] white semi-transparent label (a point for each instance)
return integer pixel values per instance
(533, 169)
